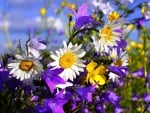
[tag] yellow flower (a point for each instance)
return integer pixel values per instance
(71, 6)
(64, 3)
(143, 9)
(95, 74)
(128, 48)
(131, 26)
(140, 46)
(43, 11)
(133, 44)
(113, 16)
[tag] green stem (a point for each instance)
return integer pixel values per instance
(79, 31)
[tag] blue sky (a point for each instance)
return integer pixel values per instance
(22, 14)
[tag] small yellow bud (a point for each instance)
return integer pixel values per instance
(72, 24)
(113, 16)
(142, 53)
(131, 26)
(143, 9)
(64, 4)
(71, 6)
(128, 48)
(140, 46)
(133, 44)
(42, 11)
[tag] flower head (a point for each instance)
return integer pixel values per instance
(56, 104)
(82, 17)
(109, 35)
(34, 46)
(52, 79)
(113, 16)
(69, 59)
(96, 74)
(25, 67)
(43, 11)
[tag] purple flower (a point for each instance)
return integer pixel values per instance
(148, 76)
(52, 79)
(34, 46)
(117, 70)
(3, 78)
(146, 97)
(85, 93)
(82, 18)
(41, 109)
(56, 104)
(112, 98)
(85, 110)
(134, 96)
(118, 109)
(138, 73)
(99, 109)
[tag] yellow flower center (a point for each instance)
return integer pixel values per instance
(118, 62)
(67, 60)
(113, 16)
(26, 65)
(106, 32)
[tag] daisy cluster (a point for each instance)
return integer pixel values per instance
(82, 76)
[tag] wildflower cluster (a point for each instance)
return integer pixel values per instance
(85, 75)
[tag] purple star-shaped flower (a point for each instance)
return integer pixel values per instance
(52, 79)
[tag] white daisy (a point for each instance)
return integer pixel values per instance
(120, 57)
(24, 68)
(69, 58)
(100, 47)
(110, 34)
(108, 37)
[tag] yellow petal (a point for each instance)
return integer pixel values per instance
(100, 70)
(100, 79)
(90, 67)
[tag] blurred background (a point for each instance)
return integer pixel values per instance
(46, 18)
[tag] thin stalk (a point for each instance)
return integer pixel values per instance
(79, 31)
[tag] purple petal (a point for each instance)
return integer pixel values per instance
(34, 52)
(117, 70)
(41, 46)
(50, 84)
(118, 110)
(81, 21)
(146, 97)
(138, 73)
(122, 43)
(82, 11)
(99, 109)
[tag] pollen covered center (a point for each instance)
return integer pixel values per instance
(26, 65)
(118, 62)
(67, 60)
(106, 32)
